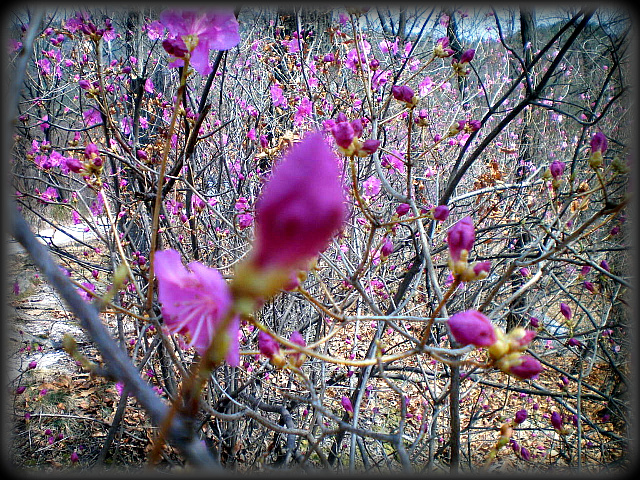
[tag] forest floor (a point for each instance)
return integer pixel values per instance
(63, 409)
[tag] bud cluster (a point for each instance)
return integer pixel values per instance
(461, 238)
(347, 135)
(472, 327)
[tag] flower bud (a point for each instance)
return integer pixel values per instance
(405, 94)
(270, 348)
(402, 209)
(556, 169)
(520, 416)
(346, 404)
(472, 327)
(460, 239)
(467, 56)
(441, 49)
(524, 367)
(565, 310)
(441, 213)
(297, 358)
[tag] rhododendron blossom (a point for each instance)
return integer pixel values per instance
(195, 302)
(472, 327)
(301, 206)
(199, 31)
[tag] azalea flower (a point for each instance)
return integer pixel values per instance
(195, 302)
(301, 207)
(461, 238)
(472, 327)
(197, 32)
(346, 404)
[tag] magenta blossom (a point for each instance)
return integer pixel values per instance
(472, 327)
(199, 31)
(527, 368)
(520, 416)
(297, 338)
(467, 56)
(346, 404)
(195, 302)
(300, 208)
(405, 94)
(599, 143)
(402, 209)
(565, 310)
(442, 49)
(441, 213)
(556, 168)
(461, 237)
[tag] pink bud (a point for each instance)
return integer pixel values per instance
(346, 404)
(565, 310)
(528, 368)
(368, 147)
(297, 338)
(520, 416)
(556, 168)
(556, 420)
(441, 213)
(402, 209)
(301, 207)
(599, 143)
(267, 345)
(356, 124)
(482, 268)
(472, 327)
(461, 237)
(74, 164)
(467, 56)
(403, 93)
(343, 133)
(387, 247)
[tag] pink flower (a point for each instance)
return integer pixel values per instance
(83, 293)
(527, 368)
(472, 327)
(556, 168)
(301, 207)
(441, 213)
(201, 31)
(599, 143)
(442, 49)
(461, 237)
(277, 96)
(467, 56)
(402, 209)
(194, 302)
(565, 310)
(346, 404)
(371, 186)
(405, 94)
